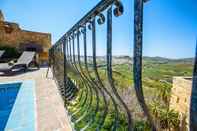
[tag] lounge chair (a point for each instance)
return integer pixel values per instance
(24, 61)
(1, 53)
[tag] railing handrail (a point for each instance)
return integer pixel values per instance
(64, 51)
(68, 41)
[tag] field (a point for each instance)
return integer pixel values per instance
(157, 79)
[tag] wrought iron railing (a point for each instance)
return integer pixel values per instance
(95, 104)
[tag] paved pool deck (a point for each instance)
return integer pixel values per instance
(51, 114)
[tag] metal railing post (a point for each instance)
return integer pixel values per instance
(137, 57)
(193, 103)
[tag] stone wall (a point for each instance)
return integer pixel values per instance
(180, 97)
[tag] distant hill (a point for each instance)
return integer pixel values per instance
(158, 60)
(146, 59)
(163, 60)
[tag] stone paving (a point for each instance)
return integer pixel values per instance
(51, 114)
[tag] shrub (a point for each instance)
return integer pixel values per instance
(10, 52)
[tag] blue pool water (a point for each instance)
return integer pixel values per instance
(17, 106)
(8, 94)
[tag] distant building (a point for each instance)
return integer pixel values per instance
(13, 36)
(180, 98)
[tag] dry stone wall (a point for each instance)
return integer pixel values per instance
(180, 97)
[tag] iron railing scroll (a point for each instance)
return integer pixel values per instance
(92, 103)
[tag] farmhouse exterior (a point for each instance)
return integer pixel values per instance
(13, 36)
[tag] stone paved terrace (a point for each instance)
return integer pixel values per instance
(51, 115)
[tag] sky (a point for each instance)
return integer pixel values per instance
(170, 26)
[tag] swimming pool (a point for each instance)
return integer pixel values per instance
(17, 106)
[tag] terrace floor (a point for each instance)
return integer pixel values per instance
(51, 114)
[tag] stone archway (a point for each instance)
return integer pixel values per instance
(31, 46)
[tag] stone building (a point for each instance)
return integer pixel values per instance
(13, 36)
(180, 98)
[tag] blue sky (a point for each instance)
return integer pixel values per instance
(170, 26)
